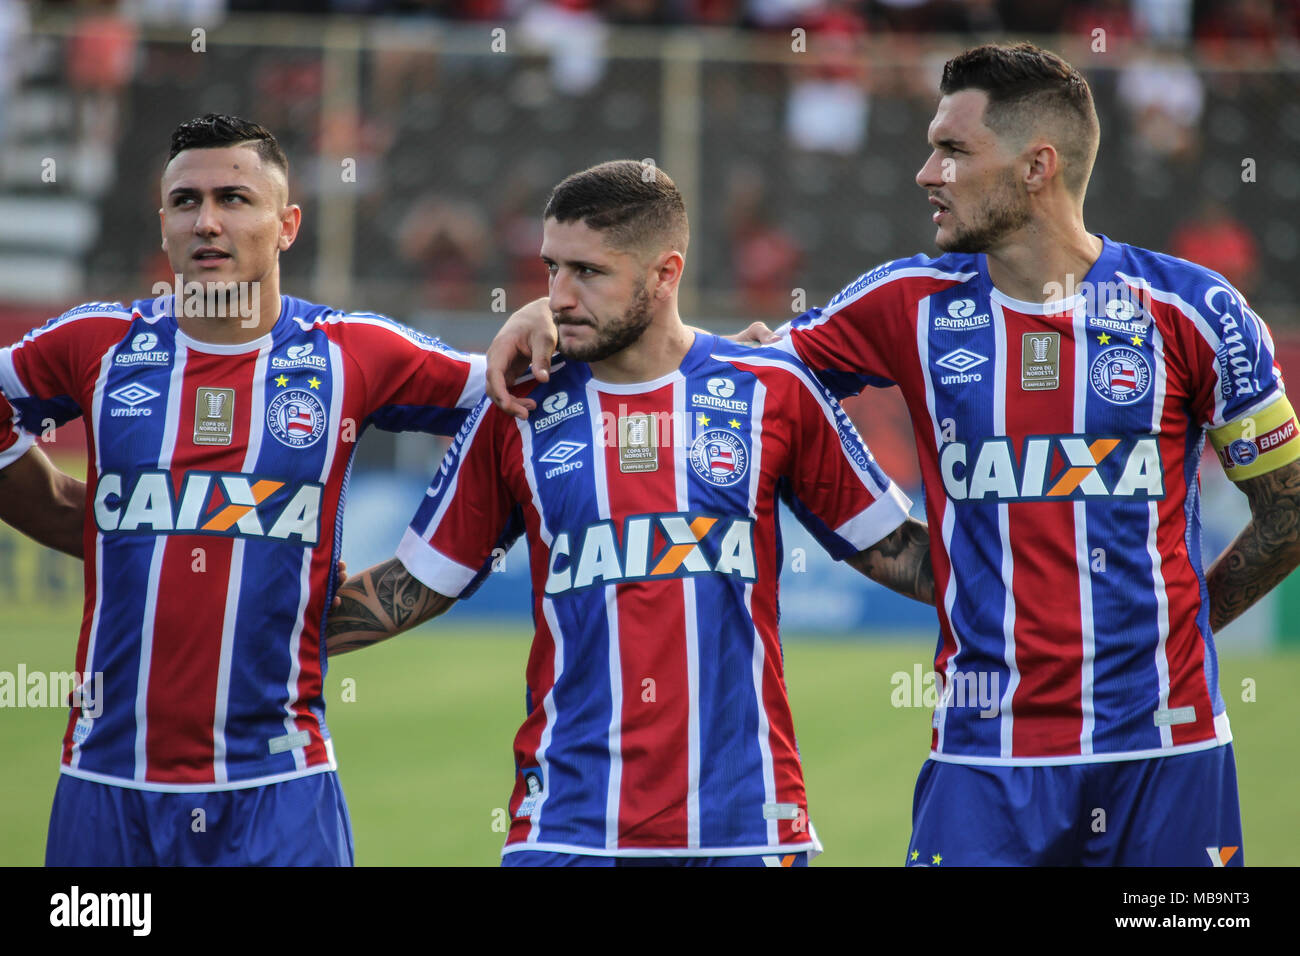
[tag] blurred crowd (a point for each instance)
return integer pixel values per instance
(1262, 23)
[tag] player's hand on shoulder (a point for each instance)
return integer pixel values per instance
(757, 334)
(527, 341)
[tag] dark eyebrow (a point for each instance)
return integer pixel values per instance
(576, 263)
(181, 191)
(949, 143)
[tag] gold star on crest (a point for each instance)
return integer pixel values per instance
(314, 382)
(1104, 339)
(282, 381)
(734, 424)
(701, 419)
(1137, 340)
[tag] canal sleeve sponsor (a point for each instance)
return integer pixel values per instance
(465, 511)
(840, 493)
(1258, 443)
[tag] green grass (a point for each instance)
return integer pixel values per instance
(425, 747)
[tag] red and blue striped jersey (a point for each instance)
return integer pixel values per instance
(14, 441)
(214, 507)
(657, 720)
(1059, 445)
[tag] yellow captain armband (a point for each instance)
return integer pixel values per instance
(1258, 443)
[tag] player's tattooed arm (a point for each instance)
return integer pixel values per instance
(1265, 552)
(901, 561)
(377, 604)
(44, 503)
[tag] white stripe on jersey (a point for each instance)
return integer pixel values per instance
(757, 408)
(600, 480)
(691, 609)
(548, 614)
(1153, 523)
(96, 409)
(10, 383)
(167, 450)
(234, 585)
(940, 718)
(1007, 715)
(1083, 559)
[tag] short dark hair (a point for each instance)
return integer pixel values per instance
(1025, 85)
(217, 130)
(636, 203)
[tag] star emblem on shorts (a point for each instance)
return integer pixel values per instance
(282, 380)
(1103, 339)
(314, 382)
(936, 859)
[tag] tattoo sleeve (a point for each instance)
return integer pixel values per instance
(377, 604)
(1265, 552)
(901, 561)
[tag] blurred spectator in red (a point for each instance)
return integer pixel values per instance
(1164, 98)
(765, 259)
(1112, 17)
(1219, 241)
(448, 241)
(1239, 32)
(829, 103)
(100, 63)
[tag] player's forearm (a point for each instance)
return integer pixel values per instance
(901, 561)
(1265, 552)
(44, 503)
(377, 604)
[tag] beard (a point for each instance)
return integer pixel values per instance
(615, 335)
(1003, 211)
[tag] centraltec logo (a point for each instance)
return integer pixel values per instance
(209, 503)
(1094, 467)
(144, 351)
(693, 544)
(557, 408)
(720, 395)
(961, 317)
(299, 356)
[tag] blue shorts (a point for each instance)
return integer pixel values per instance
(546, 858)
(299, 822)
(1159, 811)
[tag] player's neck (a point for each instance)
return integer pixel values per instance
(1043, 258)
(659, 351)
(242, 316)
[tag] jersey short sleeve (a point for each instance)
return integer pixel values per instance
(14, 441)
(837, 489)
(413, 381)
(467, 509)
(1237, 392)
(44, 375)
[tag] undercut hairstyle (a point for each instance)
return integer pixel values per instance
(1030, 91)
(635, 204)
(217, 130)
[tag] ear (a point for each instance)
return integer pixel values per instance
(1044, 166)
(290, 221)
(162, 225)
(668, 273)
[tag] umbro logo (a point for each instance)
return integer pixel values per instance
(561, 452)
(962, 360)
(132, 396)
